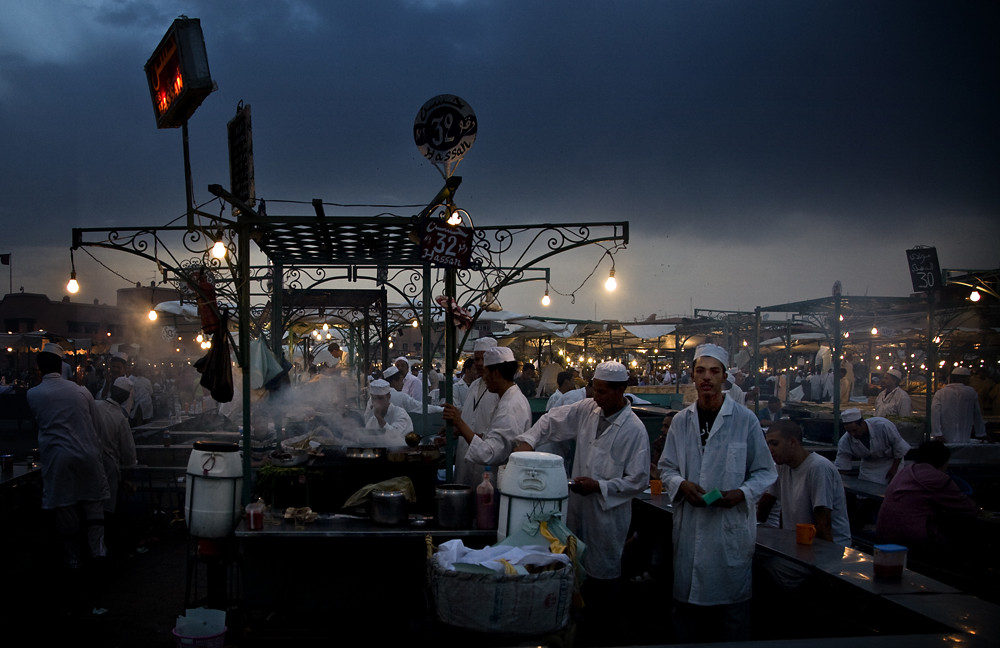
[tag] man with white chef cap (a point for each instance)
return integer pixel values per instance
(610, 467)
(715, 466)
(874, 441)
(411, 384)
(118, 454)
(476, 412)
(491, 445)
(395, 378)
(387, 422)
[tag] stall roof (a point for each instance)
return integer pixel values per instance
(320, 240)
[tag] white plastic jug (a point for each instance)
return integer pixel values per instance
(530, 483)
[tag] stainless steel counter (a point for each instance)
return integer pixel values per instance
(337, 525)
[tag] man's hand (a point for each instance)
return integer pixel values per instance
(523, 446)
(730, 498)
(585, 486)
(692, 493)
(451, 413)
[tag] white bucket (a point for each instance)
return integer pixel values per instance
(214, 490)
(530, 483)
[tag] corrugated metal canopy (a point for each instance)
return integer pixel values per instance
(319, 240)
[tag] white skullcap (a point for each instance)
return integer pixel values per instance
(961, 371)
(379, 388)
(850, 415)
(712, 351)
(732, 371)
(896, 373)
(611, 371)
(124, 382)
(496, 355)
(119, 355)
(54, 349)
(484, 343)
(390, 371)
(403, 358)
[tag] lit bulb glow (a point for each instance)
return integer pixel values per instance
(219, 250)
(415, 324)
(611, 284)
(545, 299)
(874, 330)
(72, 286)
(975, 296)
(152, 315)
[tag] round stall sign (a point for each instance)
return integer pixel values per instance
(444, 131)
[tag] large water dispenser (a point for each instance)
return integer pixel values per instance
(530, 483)
(214, 490)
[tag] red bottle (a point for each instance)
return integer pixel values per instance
(486, 503)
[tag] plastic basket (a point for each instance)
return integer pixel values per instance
(527, 604)
(209, 641)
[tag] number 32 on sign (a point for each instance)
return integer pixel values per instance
(446, 245)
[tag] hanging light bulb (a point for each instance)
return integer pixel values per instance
(72, 285)
(611, 284)
(326, 327)
(414, 323)
(974, 296)
(152, 315)
(219, 249)
(545, 298)
(874, 330)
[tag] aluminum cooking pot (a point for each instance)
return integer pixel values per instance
(387, 506)
(454, 506)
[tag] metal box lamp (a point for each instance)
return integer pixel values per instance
(178, 75)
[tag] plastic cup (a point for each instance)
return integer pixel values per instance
(804, 533)
(655, 486)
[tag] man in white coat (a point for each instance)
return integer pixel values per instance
(477, 412)
(715, 466)
(492, 445)
(610, 467)
(118, 453)
(74, 486)
(875, 441)
(400, 398)
(386, 423)
(412, 385)
(955, 411)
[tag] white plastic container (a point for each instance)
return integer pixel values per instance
(530, 483)
(214, 490)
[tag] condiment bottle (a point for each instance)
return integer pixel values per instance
(486, 511)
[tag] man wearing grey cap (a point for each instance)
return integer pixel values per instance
(893, 399)
(715, 466)
(610, 467)
(955, 412)
(875, 442)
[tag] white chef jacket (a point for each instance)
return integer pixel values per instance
(714, 546)
(397, 425)
(413, 386)
(572, 396)
(511, 416)
(618, 459)
(885, 445)
(409, 404)
(72, 469)
(476, 412)
(117, 446)
(142, 395)
(955, 413)
(893, 403)
(459, 392)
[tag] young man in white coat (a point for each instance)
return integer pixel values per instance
(610, 467)
(477, 412)
(714, 445)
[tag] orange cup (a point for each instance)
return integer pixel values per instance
(804, 533)
(655, 486)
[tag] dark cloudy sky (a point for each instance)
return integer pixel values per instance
(760, 150)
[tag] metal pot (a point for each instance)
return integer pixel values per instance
(454, 505)
(387, 507)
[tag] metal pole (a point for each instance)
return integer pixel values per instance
(243, 356)
(188, 188)
(450, 354)
(931, 365)
(836, 362)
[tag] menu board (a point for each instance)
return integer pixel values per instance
(925, 273)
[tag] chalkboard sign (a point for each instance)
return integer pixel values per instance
(925, 273)
(445, 245)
